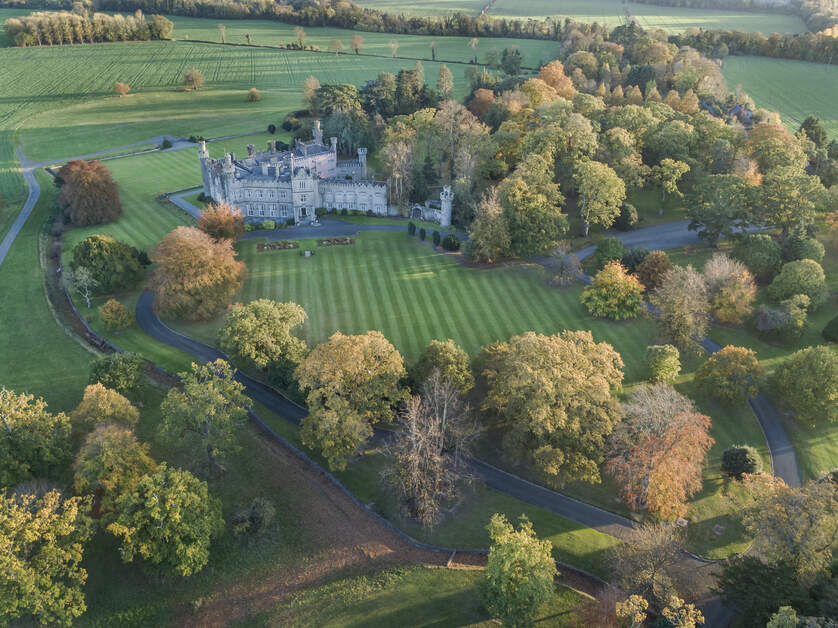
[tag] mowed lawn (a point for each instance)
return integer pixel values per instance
(673, 19)
(535, 52)
(795, 89)
(393, 283)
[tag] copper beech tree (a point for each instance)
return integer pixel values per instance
(196, 276)
(89, 195)
(658, 449)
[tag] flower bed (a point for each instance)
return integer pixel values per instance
(279, 245)
(335, 241)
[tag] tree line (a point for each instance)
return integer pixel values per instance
(55, 28)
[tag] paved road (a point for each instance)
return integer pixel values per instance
(26, 210)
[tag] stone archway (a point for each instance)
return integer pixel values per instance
(417, 212)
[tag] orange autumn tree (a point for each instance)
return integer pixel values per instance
(88, 194)
(658, 449)
(553, 74)
(196, 276)
(221, 221)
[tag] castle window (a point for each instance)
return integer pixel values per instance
(363, 207)
(303, 198)
(284, 213)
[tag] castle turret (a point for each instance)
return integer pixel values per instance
(334, 142)
(362, 159)
(318, 133)
(204, 158)
(446, 198)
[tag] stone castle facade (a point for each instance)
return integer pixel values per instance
(281, 185)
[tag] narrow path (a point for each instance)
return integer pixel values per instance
(26, 210)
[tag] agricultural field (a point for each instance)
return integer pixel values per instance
(673, 19)
(451, 49)
(425, 7)
(795, 89)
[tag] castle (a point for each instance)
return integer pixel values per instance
(291, 184)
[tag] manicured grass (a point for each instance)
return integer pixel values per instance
(408, 597)
(795, 89)
(673, 19)
(393, 283)
(429, 227)
(36, 355)
(454, 49)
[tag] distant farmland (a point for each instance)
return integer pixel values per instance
(793, 88)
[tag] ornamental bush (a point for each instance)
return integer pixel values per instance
(422, 233)
(653, 269)
(608, 250)
(798, 245)
(731, 374)
(115, 316)
(808, 382)
(122, 372)
(614, 294)
(761, 254)
(663, 363)
(113, 264)
(801, 277)
(450, 242)
(411, 228)
(268, 224)
(741, 459)
(627, 220)
(786, 322)
(634, 257)
(436, 238)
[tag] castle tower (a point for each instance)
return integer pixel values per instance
(446, 198)
(334, 142)
(318, 133)
(362, 159)
(204, 158)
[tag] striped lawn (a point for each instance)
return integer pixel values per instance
(392, 283)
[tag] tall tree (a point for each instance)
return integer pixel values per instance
(34, 441)
(614, 293)
(490, 235)
(808, 382)
(41, 573)
(667, 174)
(731, 374)
(790, 198)
(814, 130)
(657, 450)
(221, 221)
(684, 306)
(89, 195)
(352, 383)
(196, 276)
(357, 43)
(646, 564)
(260, 333)
(430, 448)
(207, 412)
(601, 194)
(169, 520)
(445, 82)
(519, 572)
(449, 359)
(722, 205)
(730, 287)
(103, 405)
(556, 396)
(113, 264)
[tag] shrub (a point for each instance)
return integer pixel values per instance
(634, 257)
(255, 518)
(608, 250)
(254, 95)
(663, 363)
(731, 289)
(450, 242)
(196, 139)
(320, 211)
(468, 250)
(798, 245)
(268, 224)
(344, 212)
(830, 332)
(614, 294)
(115, 315)
(122, 372)
(290, 222)
(808, 382)
(436, 238)
(121, 88)
(564, 266)
(741, 459)
(113, 264)
(801, 277)
(411, 228)
(422, 233)
(760, 253)
(193, 79)
(627, 220)
(788, 321)
(271, 129)
(653, 269)
(370, 213)
(731, 374)
(167, 143)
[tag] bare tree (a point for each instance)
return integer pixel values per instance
(432, 46)
(336, 46)
(356, 43)
(300, 35)
(394, 46)
(82, 281)
(430, 449)
(564, 266)
(222, 31)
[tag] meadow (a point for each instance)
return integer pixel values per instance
(795, 89)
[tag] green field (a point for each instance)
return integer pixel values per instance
(673, 19)
(425, 7)
(795, 89)
(453, 49)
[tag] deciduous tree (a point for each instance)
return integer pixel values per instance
(804, 276)
(601, 194)
(193, 79)
(657, 450)
(731, 289)
(196, 276)
(490, 230)
(721, 205)
(449, 359)
(121, 89)
(35, 442)
(653, 269)
(519, 572)
(260, 333)
(556, 396)
(352, 383)
(646, 563)
(122, 372)
(169, 520)
(684, 306)
(790, 197)
(82, 281)
(663, 363)
(206, 413)
(760, 253)
(667, 174)
(103, 405)
(731, 374)
(808, 382)
(445, 82)
(614, 294)
(113, 264)
(88, 194)
(115, 316)
(356, 43)
(41, 573)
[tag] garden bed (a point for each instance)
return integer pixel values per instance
(279, 245)
(342, 241)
